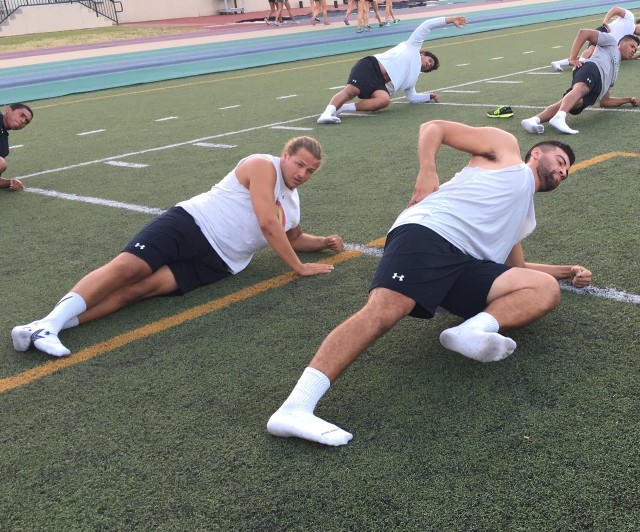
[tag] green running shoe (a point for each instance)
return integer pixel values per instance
(501, 112)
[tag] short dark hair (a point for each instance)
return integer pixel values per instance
(627, 37)
(546, 145)
(436, 61)
(20, 105)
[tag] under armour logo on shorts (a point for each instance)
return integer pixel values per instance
(399, 277)
(139, 245)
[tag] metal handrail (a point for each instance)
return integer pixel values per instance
(105, 8)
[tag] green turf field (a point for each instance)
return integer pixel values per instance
(157, 421)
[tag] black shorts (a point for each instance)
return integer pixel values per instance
(175, 240)
(588, 74)
(420, 264)
(367, 76)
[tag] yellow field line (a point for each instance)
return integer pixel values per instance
(121, 340)
(93, 351)
(600, 159)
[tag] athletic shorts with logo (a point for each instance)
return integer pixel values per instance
(420, 264)
(175, 240)
(589, 74)
(367, 76)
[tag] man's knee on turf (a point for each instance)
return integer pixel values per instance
(548, 292)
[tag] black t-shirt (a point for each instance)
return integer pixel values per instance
(4, 140)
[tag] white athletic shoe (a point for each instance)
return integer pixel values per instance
(532, 126)
(559, 123)
(324, 119)
(556, 66)
(21, 336)
(49, 343)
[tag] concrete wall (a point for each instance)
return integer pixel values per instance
(141, 10)
(62, 17)
(55, 17)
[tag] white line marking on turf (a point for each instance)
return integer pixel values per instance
(495, 58)
(460, 92)
(367, 250)
(558, 46)
(90, 132)
(16, 146)
(96, 201)
(228, 107)
(288, 96)
(167, 147)
(459, 104)
(165, 118)
(336, 88)
(606, 293)
(511, 82)
(126, 165)
(210, 145)
(529, 52)
(463, 64)
(293, 128)
(293, 120)
(544, 73)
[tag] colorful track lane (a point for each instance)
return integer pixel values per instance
(171, 59)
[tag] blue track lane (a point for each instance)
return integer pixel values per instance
(57, 78)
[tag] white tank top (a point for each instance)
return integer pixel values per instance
(226, 217)
(482, 212)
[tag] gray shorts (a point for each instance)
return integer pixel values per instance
(420, 264)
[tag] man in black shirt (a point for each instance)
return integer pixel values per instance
(16, 116)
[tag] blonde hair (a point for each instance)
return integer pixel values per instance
(308, 143)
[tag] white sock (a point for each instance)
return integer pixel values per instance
(67, 308)
(482, 322)
(71, 323)
(563, 62)
(532, 125)
(329, 111)
(558, 122)
(478, 338)
(311, 386)
(347, 107)
(295, 417)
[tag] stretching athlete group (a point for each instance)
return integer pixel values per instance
(457, 245)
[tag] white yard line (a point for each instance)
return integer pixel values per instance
(291, 128)
(96, 201)
(211, 145)
(162, 148)
(90, 132)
